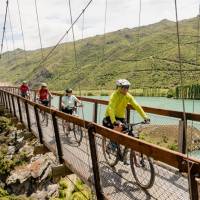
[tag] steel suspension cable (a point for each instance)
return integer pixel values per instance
(4, 27)
(196, 60)
(11, 29)
(139, 23)
(60, 40)
(8, 54)
(74, 44)
(82, 109)
(39, 32)
(181, 82)
(104, 30)
(22, 32)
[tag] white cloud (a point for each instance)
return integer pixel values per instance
(55, 19)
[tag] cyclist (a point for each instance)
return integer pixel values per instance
(44, 94)
(24, 89)
(116, 109)
(69, 102)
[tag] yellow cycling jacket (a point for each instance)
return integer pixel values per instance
(118, 103)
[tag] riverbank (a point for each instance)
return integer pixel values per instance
(167, 136)
(154, 92)
(27, 175)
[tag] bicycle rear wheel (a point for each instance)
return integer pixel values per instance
(66, 127)
(142, 169)
(111, 151)
(78, 133)
(44, 118)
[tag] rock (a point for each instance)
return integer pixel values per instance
(40, 165)
(11, 150)
(48, 171)
(2, 184)
(20, 174)
(28, 149)
(40, 195)
(52, 189)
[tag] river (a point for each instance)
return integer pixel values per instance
(156, 102)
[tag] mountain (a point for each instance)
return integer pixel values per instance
(147, 61)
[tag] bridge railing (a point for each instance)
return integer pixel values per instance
(172, 169)
(174, 126)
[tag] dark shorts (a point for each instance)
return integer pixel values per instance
(44, 102)
(67, 110)
(107, 122)
(24, 94)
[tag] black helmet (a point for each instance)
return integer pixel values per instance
(68, 90)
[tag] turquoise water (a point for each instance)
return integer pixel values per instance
(156, 102)
(195, 154)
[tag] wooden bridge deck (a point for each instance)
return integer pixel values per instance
(117, 183)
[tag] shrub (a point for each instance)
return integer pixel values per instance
(173, 147)
(90, 94)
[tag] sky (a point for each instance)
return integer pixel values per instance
(54, 18)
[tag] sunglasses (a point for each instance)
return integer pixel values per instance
(126, 87)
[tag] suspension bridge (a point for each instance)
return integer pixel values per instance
(177, 175)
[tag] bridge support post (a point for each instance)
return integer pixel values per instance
(60, 102)
(95, 165)
(57, 137)
(194, 181)
(9, 102)
(35, 96)
(182, 137)
(27, 115)
(37, 117)
(13, 103)
(5, 101)
(2, 99)
(20, 111)
(95, 112)
(128, 113)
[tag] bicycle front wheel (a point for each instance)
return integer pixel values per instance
(142, 169)
(78, 133)
(111, 152)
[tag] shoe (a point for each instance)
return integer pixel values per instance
(111, 148)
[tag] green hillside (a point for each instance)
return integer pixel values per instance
(124, 57)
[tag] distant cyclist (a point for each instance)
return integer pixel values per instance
(24, 90)
(69, 102)
(44, 94)
(116, 109)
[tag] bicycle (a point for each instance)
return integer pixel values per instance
(76, 129)
(141, 166)
(44, 117)
(26, 95)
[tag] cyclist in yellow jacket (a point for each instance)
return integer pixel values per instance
(116, 109)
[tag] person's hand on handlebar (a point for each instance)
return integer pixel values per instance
(118, 126)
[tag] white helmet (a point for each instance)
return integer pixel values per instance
(44, 85)
(122, 82)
